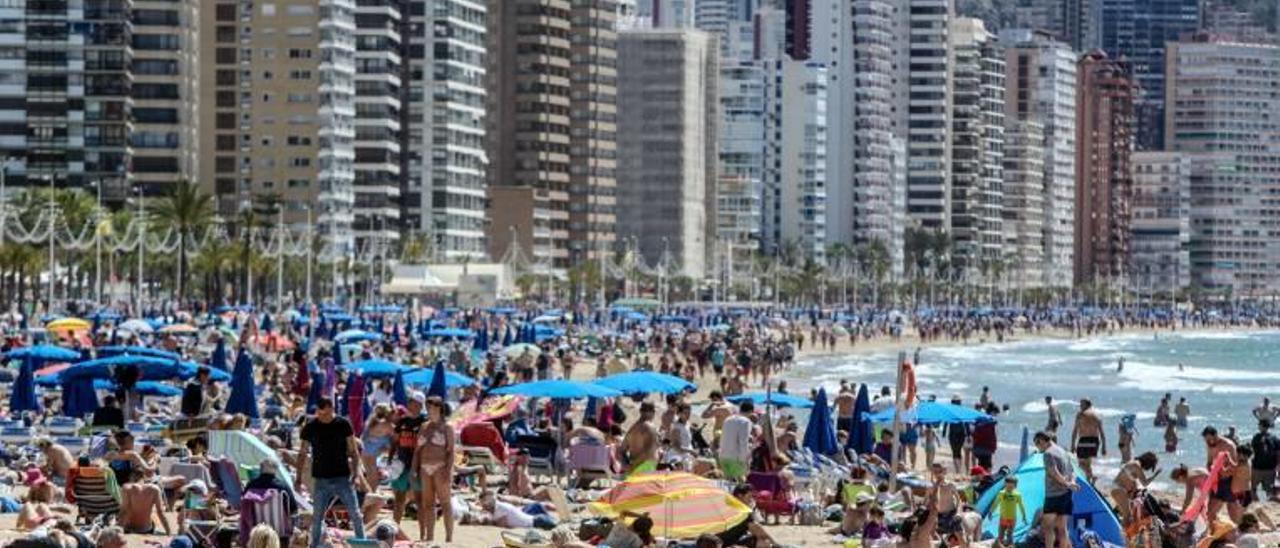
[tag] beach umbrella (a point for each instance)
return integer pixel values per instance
(819, 436)
(451, 333)
(319, 380)
(356, 335)
(108, 351)
(78, 397)
(356, 402)
(517, 350)
(243, 400)
(142, 388)
(645, 382)
(1024, 448)
(561, 389)
(267, 325)
(136, 326)
(438, 386)
(775, 399)
(68, 324)
(424, 377)
(51, 370)
(482, 339)
(219, 358)
(862, 438)
(374, 368)
(395, 333)
(42, 353)
(931, 413)
(681, 505)
(508, 338)
(398, 392)
(149, 369)
(22, 396)
(179, 329)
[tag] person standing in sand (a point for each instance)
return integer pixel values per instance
(434, 461)
(1059, 484)
(1222, 492)
(641, 443)
(844, 409)
(1088, 437)
(1055, 418)
(718, 411)
(138, 501)
(735, 443)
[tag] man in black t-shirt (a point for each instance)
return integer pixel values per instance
(1266, 455)
(334, 461)
(109, 414)
(193, 394)
(403, 445)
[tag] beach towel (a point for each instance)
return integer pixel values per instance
(264, 506)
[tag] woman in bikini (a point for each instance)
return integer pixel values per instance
(434, 461)
(378, 435)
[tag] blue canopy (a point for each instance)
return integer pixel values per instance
(219, 358)
(931, 413)
(438, 385)
(451, 332)
(356, 335)
(108, 351)
(862, 437)
(819, 435)
(421, 377)
(151, 369)
(775, 399)
(374, 369)
(78, 397)
(559, 389)
(42, 353)
(482, 339)
(399, 394)
(23, 394)
(1088, 509)
(243, 400)
(645, 382)
(144, 388)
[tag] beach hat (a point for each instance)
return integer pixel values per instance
(34, 477)
(419, 397)
(978, 470)
(197, 486)
(864, 498)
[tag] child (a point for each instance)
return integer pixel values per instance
(875, 528)
(1009, 502)
(1171, 437)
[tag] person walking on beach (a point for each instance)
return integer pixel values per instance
(844, 409)
(1055, 418)
(1266, 449)
(1088, 437)
(434, 461)
(1222, 492)
(1059, 483)
(329, 451)
(735, 443)
(1266, 412)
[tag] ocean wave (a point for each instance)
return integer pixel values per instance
(1135, 370)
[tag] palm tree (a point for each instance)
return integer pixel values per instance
(187, 210)
(415, 249)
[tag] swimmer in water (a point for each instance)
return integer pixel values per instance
(1120, 365)
(1181, 368)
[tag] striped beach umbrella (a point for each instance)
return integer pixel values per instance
(681, 505)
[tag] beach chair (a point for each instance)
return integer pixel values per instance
(543, 451)
(268, 506)
(482, 445)
(181, 430)
(772, 496)
(589, 461)
(94, 489)
(63, 426)
(226, 476)
(74, 444)
(17, 435)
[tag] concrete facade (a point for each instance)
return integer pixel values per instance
(1104, 170)
(1160, 232)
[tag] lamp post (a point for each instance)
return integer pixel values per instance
(53, 261)
(308, 240)
(142, 244)
(4, 198)
(280, 258)
(97, 247)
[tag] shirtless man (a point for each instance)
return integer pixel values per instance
(1222, 494)
(1088, 437)
(138, 502)
(844, 409)
(1190, 478)
(946, 500)
(58, 457)
(641, 443)
(719, 410)
(1182, 411)
(1266, 412)
(1055, 418)
(1132, 477)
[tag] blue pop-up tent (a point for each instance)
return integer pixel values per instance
(1089, 511)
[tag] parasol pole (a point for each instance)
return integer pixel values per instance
(897, 425)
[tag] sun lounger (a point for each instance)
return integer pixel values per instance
(95, 491)
(542, 450)
(588, 461)
(73, 444)
(17, 435)
(63, 426)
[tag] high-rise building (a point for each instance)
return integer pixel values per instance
(166, 93)
(1074, 22)
(108, 88)
(277, 110)
(551, 102)
(379, 132)
(1104, 171)
(666, 144)
(865, 83)
(1024, 195)
(801, 204)
(444, 155)
(1137, 31)
(928, 111)
(1160, 240)
(977, 148)
(1225, 18)
(1040, 87)
(742, 140)
(1218, 96)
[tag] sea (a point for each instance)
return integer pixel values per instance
(1224, 375)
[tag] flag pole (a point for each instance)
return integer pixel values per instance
(897, 425)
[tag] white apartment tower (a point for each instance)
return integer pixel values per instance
(444, 195)
(1023, 212)
(1160, 230)
(977, 145)
(800, 206)
(378, 129)
(930, 63)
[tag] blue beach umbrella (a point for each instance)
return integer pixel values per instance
(42, 353)
(819, 436)
(23, 395)
(356, 335)
(243, 400)
(423, 377)
(267, 325)
(398, 392)
(108, 351)
(560, 389)
(645, 382)
(78, 397)
(219, 358)
(482, 339)
(932, 413)
(142, 388)
(1025, 448)
(438, 385)
(862, 438)
(375, 369)
(774, 399)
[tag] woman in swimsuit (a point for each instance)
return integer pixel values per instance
(377, 437)
(434, 461)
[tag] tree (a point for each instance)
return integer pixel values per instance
(187, 210)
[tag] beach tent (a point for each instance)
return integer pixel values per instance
(1090, 512)
(932, 413)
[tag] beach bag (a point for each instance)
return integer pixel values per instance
(594, 528)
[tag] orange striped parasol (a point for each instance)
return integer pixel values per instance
(681, 505)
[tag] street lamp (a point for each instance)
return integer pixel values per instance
(97, 245)
(4, 198)
(139, 193)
